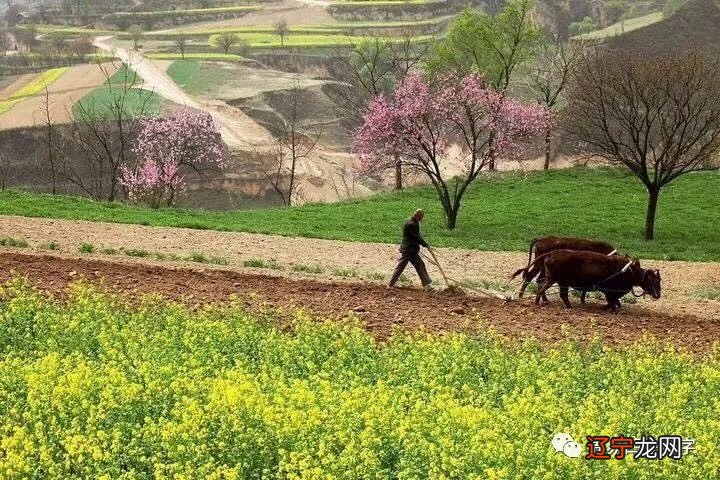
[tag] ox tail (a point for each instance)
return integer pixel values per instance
(530, 265)
(522, 270)
(530, 254)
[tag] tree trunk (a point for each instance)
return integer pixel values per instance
(653, 194)
(451, 215)
(398, 174)
(548, 141)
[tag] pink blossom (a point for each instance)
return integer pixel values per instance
(167, 148)
(423, 120)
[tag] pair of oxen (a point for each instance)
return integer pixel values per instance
(585, 265)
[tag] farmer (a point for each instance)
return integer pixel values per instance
(410, 250)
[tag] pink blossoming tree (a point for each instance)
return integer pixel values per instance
(448, 130)
(167, 149)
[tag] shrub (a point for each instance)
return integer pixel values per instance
(137, 253)
(218, 261)
(345, 272)
(196, 257)
(13, 242)
(710, 293)
(86, 248)
(376, 276)
(314, 269)
(260, 263)
(50, 246)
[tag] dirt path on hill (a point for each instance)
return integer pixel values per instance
(380, 310)
(237, 129)
(346, 261)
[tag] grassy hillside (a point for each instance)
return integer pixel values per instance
(623, 26)
(500, 213)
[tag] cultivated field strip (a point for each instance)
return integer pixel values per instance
(328, 259)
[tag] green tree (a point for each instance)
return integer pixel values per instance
(586, 25)
(491, 45)
(136, 33)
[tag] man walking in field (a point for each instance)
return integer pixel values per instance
(410, 250)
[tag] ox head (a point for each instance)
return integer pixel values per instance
(650, 283)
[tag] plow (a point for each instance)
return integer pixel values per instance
(506, 295)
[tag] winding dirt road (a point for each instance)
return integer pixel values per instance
(238, 130)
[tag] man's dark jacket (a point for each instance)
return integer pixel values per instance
(412, 240)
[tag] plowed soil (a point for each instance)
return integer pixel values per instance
(379, 309)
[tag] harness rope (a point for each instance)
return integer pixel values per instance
(551, 291)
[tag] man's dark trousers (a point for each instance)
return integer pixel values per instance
(411, 256)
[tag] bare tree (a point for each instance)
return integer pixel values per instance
(181, 42)
(283, 30)
(104, 129)
(50, 139)
(659, 116)
(5, 170)
(548, 79)
(4, 43)
(57, 42)
(408, 53)
(27, 36)
(82, 46)
(374, 67)
(346, 187)
(136, 34)
(294, 144)
(227, 40)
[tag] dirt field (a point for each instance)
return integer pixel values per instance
(72, 86)
(380, 310)
(293, 12)
(350, 262)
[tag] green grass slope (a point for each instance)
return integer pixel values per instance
(623, 26)
(502, 212)
(102, 100)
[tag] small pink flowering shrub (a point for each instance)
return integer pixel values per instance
(167, 148)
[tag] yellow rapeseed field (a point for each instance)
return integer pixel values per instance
(33, 88)
(93, 387)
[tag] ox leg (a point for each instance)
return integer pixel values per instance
(564, 290)
(541, 281)
(613, 302)
(583, 296)
(527, 278)
(544, 288)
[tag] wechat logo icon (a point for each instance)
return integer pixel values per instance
(564, 443)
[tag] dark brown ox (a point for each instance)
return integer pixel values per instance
(615, 275)
(545, 245)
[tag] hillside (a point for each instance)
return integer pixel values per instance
(696, 25)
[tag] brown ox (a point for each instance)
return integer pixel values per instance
(615, 275)
(545, 245)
